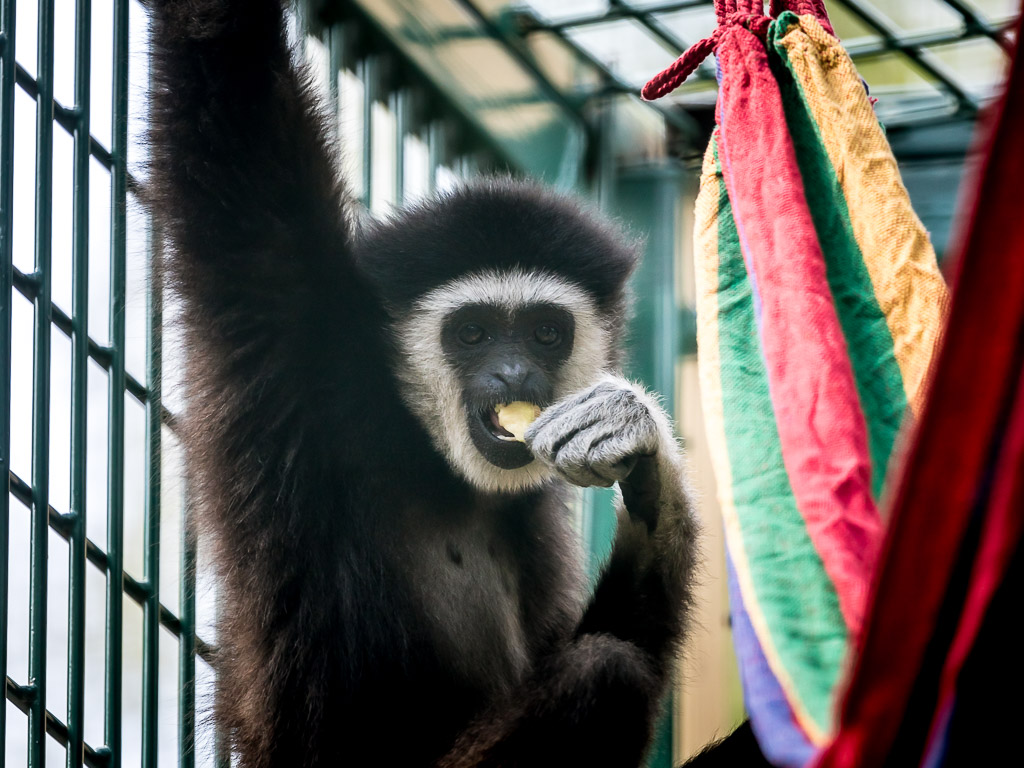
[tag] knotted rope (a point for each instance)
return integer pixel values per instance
(748, 14)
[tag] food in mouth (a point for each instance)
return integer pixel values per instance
(513, 418)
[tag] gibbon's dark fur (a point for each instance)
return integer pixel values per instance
(374, 606)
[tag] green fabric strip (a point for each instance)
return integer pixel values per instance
(793, 592)
(869, 342)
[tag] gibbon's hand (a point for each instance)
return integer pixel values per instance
(596, 436)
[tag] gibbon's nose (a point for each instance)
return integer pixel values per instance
(512, 375)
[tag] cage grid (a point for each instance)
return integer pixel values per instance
(49, 709)
(44, 717)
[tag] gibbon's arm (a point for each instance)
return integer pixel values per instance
(612, 432)
(594, 700)
(644, 593)
(243, 182)
(284, 341)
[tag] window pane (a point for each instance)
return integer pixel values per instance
(24, 203)
(559, 10)
(976, 65)
(350, 129)
(915, 17)
(853, 32)
(60, 421)
(691, 24)
(57, 626)
(19, 539)
(382, 160)
(901, 89)
(96, 451)
(995, 10)
(626, 48)
(63, 50)
(101, 71)
(417, 169)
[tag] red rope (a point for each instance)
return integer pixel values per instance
(744, 13)
(676, 73)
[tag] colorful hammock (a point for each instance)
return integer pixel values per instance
(819, 305)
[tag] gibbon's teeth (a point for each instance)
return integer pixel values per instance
(516, 417)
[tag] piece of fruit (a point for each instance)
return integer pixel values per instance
(516, 417)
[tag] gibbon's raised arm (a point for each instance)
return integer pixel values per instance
(284, 341)
(242, 171)
(243, 181)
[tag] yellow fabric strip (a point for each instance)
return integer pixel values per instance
(897, 251)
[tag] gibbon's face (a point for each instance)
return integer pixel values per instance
(503, 355)
(490, 339)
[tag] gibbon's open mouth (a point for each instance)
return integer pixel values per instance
(495, 443)
(490, 419)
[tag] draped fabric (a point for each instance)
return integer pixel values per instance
(820, 304)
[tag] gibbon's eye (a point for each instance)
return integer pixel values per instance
(471, 333)
(547, 335)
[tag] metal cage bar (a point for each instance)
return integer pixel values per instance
(187, 651)
(40, 528)
(7, 79)
(79, 389)
(151, 533)
(115, 461)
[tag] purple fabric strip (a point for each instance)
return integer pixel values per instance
(781, 738)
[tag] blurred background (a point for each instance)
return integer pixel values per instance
(108, 607)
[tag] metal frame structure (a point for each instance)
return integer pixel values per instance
(30, 696)
(911, 46)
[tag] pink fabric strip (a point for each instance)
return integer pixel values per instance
(821, 425)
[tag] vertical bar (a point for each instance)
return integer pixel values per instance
(79, 389)
(647, 200)
(187, 647)
(400, 108)
(7, 73)
(151, 532)
(368, 74)
(41, 391)
(115, 484)
(334, 47)
(435, 149)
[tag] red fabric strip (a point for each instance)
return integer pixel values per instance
(946, 464)
(821, 426)
(999, 540)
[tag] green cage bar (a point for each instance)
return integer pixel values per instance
(79, 390)
(7, 78)
(42, 279)
(115, 461)
(187, 652)
(151, 532)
